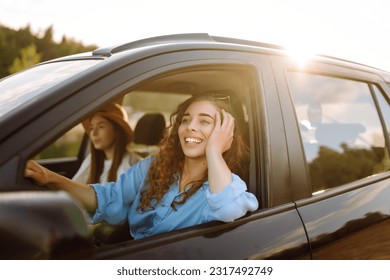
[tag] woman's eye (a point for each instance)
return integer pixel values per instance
(185, 121)
(204, 122)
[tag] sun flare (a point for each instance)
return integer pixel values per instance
(301, 56)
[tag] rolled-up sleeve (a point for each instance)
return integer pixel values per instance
(115, 199)
(231, 203)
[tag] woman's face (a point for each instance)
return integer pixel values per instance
(102, 133)
(195, 128)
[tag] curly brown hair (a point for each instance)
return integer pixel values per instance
(168, 164)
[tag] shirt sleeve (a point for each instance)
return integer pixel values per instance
(232, 202)
(115, 199)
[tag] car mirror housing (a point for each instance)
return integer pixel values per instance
(32, 226)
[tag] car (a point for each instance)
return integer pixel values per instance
(318, 135)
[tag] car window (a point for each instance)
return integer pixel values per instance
(68, 145)
(340, 127)
(160, 97)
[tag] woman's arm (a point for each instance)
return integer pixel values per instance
(220, 140)
(43, 176)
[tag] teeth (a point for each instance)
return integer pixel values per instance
(193, 140)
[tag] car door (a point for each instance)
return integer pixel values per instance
(342, 116)
(275, 230)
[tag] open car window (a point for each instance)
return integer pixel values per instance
(149, 108)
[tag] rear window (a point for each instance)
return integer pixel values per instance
(341, 129)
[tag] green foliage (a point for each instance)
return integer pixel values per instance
(59, 150)
(29, 57)
(21, 48)
(334, 168)
(68, 145)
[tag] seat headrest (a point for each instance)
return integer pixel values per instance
(149, 129)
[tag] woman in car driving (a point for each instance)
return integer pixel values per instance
(193, 179)
(109, 133)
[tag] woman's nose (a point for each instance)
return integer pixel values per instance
(192, 126)
(93, 131)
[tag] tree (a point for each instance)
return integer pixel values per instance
(46, 45)
(16, 51)
(28, 57)
(334, 168)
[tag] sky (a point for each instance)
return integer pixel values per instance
(356, 30)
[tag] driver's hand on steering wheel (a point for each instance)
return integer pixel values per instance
(37, 172)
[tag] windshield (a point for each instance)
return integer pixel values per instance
(22, 87)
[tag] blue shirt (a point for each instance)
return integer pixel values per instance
(118, 202)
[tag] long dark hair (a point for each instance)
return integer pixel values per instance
(169, 161)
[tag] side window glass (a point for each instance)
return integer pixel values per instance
(68, 145)
(340, 127)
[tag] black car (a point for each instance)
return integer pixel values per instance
(318, 135)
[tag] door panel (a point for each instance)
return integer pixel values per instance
(270, 234)
(349, 225)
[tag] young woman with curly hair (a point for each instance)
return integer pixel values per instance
(193, 179)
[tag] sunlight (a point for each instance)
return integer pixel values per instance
(300, 55)
(300, 49)
(318, 192)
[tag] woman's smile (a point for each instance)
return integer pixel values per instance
(192, 140)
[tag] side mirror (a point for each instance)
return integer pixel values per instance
(42, 225)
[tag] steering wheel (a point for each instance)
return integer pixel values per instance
(31, 184)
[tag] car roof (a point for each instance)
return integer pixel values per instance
(181, 38)
(206, 40)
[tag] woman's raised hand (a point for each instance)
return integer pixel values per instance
(221, 137)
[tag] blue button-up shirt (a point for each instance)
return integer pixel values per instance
(118, 202)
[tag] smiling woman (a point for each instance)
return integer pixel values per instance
(200, 147)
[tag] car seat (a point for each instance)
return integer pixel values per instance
(148, 132)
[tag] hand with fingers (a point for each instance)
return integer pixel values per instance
(221, 137)
(220, 140)
(45, 177)
(37, 172)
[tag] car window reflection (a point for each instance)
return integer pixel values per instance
(340, 127)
